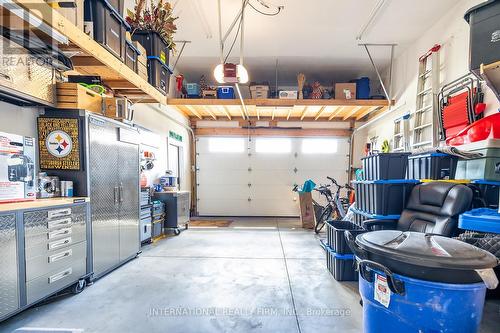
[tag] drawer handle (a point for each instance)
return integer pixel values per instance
(58, 213)
(58, 223)
(60, 232)
(61, 275)
(59, 243)
(59, 256)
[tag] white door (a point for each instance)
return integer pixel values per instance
(241, 177)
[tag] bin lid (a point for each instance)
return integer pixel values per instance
(476, 7)
(422, 250)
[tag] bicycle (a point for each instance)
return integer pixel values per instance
(336, 207)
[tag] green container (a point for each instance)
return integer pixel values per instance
(486, 167)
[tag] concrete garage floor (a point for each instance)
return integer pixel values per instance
(259, 275)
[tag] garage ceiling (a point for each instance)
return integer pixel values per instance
(316, 37)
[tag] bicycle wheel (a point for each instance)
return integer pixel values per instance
(320, 223)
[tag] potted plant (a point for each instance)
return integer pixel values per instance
(154, 27)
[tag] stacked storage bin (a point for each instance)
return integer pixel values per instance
(158, 58)
(106, 24)
(145, 215)
(486, 167)
(158, 214)
(340, 260)
(383, 193)
(433, 166)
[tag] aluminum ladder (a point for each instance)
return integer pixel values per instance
(425, 116)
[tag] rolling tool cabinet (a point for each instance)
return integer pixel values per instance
(45, 250)
(177, 205)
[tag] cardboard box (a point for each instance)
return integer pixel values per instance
(345, 91)
(17, 168)
(306, 210)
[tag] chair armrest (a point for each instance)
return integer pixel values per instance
(384, 224)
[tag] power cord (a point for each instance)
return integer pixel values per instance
(279, 8)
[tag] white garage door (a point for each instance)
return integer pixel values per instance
(241, 177)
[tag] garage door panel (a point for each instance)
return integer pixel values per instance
(275, 192)
(223, 191)
(270, 162)
(223, 161)
(262, 207)
(319, 177)
(272, 177)
(228, 207)
(315, 162)
(218, 176)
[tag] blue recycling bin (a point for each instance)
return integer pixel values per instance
(425, 306)
(417, 282)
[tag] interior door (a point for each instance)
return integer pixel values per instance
(103, 166)
(129, 199)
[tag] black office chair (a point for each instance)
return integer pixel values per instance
(432, 208)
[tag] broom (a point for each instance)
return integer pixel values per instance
(301, 79)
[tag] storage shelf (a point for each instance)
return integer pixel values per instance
(90, 58)
(280, 109)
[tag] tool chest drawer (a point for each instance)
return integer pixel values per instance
(55, 260)
(40, 221)
(51, 230)
(54, 281)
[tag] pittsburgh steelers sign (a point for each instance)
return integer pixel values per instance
(59, 143)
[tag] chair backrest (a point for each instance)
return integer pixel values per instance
(434, 208)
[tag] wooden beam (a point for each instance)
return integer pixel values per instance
(289, 113)
(270, 102)
(193, 111)
(258, 113)
(281, 132)
(336, 112)
(206, 108)
(353, 111)
(272, 114)
(320, 112)
(226, 112)
(367, 111)
(276, 118)
(243, 112)
(303, 113)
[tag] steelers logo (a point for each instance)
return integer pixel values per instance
(59, 143)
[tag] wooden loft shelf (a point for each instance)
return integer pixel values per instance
(279, 109)
(92, 59)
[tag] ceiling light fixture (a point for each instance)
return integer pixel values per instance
(228, 72)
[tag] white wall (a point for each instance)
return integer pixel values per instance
(452, 32)
(153, 117)
(18, 120)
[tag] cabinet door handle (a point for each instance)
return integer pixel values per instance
(59, 256)
(61, 275)
(58, 223)
(52, 214)
(121, 193)
(59, 243)
(60, 232)
(116, 194)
